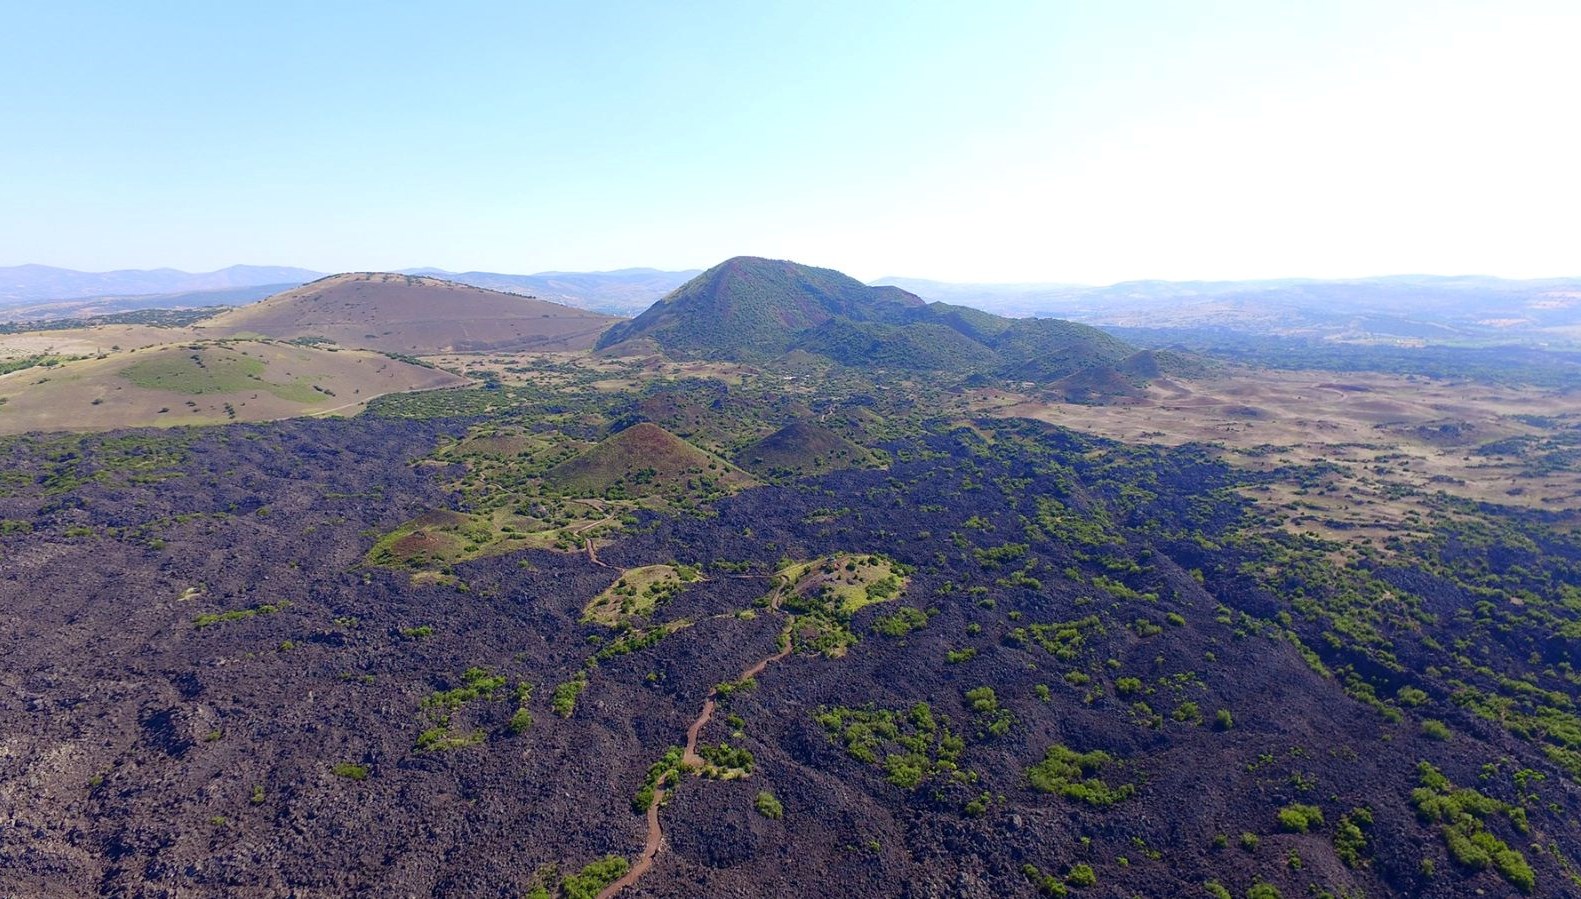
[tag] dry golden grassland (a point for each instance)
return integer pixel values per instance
(1387, 438)
(203, 383)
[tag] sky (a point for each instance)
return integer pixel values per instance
(1040, 141)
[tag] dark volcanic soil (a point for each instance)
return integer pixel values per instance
(150, 745)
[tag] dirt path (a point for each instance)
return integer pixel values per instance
(689, 759)
(592, 554)
(650, 850)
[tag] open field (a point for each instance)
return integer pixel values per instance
(1382, 437)
(91, 341)
(203, 383)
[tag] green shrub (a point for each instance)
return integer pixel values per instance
(904, 620)
(1298, 818)
(520, 721)
(728, 758)
(659, 773)
(1462, 812)
(1046, 884)
(1435, 730)
(1081, 875)
(1068, 773)
(565, 695)
(768, 806)
(1411, 696)
(350, 771)
(591, 880)
(1349, 840)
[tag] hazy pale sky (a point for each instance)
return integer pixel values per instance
(984, 141)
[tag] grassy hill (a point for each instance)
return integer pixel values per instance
(414, 315)
(756, 309)
(203, 383)
(645, 460)
(801, 448)
(748, 308)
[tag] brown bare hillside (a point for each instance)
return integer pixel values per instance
(407, 314)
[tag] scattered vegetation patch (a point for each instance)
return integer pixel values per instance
(992, 719)
(1063, 639)
(824, 594)
(1350, 837)
(904, 620)
(1463, 814)
(726, 762)
(477, 685)
(209, 619)
(910, 745)
(1073, 775)
(637, 592)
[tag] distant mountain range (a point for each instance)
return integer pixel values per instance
(1399, 309)
(624, 292)
(36, 292)
(38, 283)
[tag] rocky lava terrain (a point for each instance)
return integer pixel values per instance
(209, 692)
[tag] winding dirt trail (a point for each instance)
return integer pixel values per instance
(654, 844)
(689, 757)
(592, 554)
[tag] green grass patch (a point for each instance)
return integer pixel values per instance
(822, 595)
(200, 370)
(637, 593)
